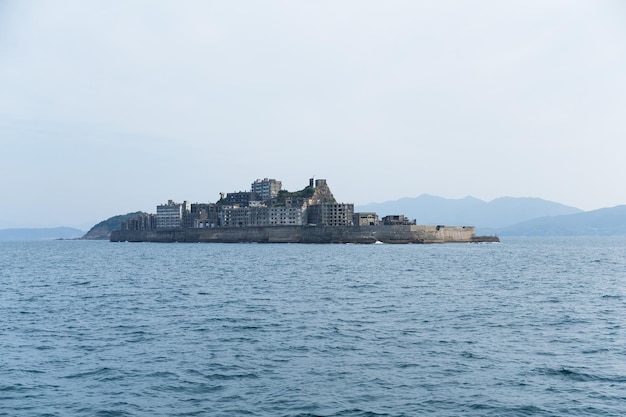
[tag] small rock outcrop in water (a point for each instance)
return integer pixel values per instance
(102, 230)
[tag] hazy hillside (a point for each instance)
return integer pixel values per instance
(102, 230)
(498, 213)
(602, 222)
(42, 233)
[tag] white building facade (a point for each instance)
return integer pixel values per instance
(266, 188)
(171, 215)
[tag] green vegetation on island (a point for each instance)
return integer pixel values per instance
(102, 230)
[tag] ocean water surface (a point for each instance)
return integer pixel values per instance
(528, 327)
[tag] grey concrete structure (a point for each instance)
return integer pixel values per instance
(141, 222)
(241, 199)
(287, 216)
(262, 216)
(304, 234)
(331, 214)
(396, 220)
(366, 219)
(266, 188)
(172, 214)
(204, 215)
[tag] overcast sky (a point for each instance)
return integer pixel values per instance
(108, 107)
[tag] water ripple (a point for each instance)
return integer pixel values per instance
(525, 328)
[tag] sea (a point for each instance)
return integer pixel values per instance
(525, 327)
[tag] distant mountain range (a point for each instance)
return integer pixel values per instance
(602, 222)
(501, 212)
(507, 216)
(41, 233)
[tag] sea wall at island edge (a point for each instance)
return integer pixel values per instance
(302, 234)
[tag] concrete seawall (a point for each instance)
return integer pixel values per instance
(303, 234)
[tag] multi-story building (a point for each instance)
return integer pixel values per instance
(331, 214)
(266, 188)
(204, 215)
(259, 216)
(397, 219)
(366, 219)
(234, 216)
(262, 216)
(287, 216)
(263, 206)
(143, 221)
(172, 214)
(241, 199)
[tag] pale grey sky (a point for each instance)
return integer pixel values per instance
(108, 107)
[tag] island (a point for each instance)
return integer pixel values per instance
(268, 214)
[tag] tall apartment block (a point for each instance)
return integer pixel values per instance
(172, 214)
(266, 188)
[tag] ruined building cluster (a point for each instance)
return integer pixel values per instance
(266, 204)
